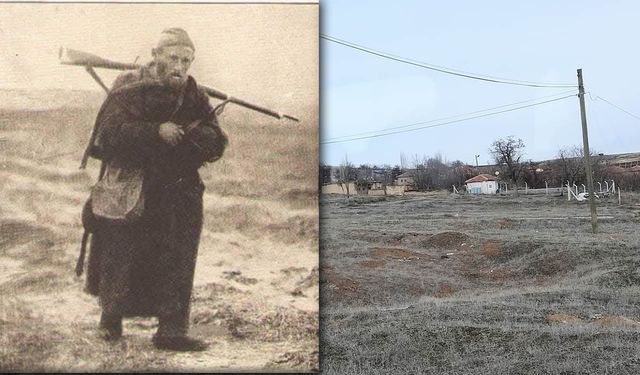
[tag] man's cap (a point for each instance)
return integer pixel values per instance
(175, 36)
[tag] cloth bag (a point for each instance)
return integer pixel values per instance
(118, 196)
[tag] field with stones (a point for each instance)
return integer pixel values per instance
(443, 283)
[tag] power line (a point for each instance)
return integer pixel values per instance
(444, 69)
(446, 123)
(620, 108)
(446, 118)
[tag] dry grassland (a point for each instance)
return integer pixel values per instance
(256, 293)
(448, 284)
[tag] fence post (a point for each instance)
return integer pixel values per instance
(546, 187)
(568, 192)
(619, 200)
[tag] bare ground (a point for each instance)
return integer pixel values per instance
(256, 294)
(440, 283)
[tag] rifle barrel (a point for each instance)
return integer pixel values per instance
(222, 96)
(70, 56)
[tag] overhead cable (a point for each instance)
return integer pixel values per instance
(620, 108)
(444, 123)
(445, 118)
(445, 69)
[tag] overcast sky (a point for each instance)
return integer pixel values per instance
(523, 40)
(263, 53)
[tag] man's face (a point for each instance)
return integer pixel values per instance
(172, 64)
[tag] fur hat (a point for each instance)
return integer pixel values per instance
(175, 36)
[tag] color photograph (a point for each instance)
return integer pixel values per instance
(480, 171)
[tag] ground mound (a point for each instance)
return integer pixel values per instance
(447, 240)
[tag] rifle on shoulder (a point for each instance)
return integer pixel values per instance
(90, 61)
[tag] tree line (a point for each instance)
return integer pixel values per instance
(510, 167)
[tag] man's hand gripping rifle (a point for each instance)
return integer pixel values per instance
(90, 61)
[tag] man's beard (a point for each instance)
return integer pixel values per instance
(170, 80)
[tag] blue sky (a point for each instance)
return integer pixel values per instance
(543, 41)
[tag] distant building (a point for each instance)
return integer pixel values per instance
(628, 160)
(482, 184)
(405, 179)
(363, 187)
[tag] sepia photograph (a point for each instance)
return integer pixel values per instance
(159, 184)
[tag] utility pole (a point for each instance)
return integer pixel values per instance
(477, 167)
(587, 156)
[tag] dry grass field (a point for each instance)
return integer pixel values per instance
(455, 284)
(256, 293)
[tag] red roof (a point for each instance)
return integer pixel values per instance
(481, 178)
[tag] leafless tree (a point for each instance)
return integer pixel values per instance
(347, 174)
(403, 161)
(431, 173)
(459, 172)
(570, 165)
(507, 153)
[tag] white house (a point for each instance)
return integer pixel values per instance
(482, 184)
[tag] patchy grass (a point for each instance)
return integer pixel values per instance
(440, 283)
(268, 159)
(261, 217)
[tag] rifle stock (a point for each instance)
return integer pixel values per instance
(70, 56)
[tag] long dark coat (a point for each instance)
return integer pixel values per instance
(147, 268)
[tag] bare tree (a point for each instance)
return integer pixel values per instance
(460, 172)
(431, 173)
(403, 161)
(388, 176)
(395, 172)
(365, 172)
(570, 165)
(437, 172)
(507, 153)
(420, 177)
(347, 174)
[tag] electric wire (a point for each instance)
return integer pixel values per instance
(442, 69)
(445, 118)
(447, 122)
(618, 107)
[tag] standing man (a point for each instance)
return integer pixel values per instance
(155, 123)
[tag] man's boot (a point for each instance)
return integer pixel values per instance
(172, 335)
(110, 327)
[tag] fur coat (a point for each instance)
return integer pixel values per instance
(146, 268)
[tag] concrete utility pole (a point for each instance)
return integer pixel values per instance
(587, 156)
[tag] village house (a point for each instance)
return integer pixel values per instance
(405, 179)
(363, 187)
(482, 184)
